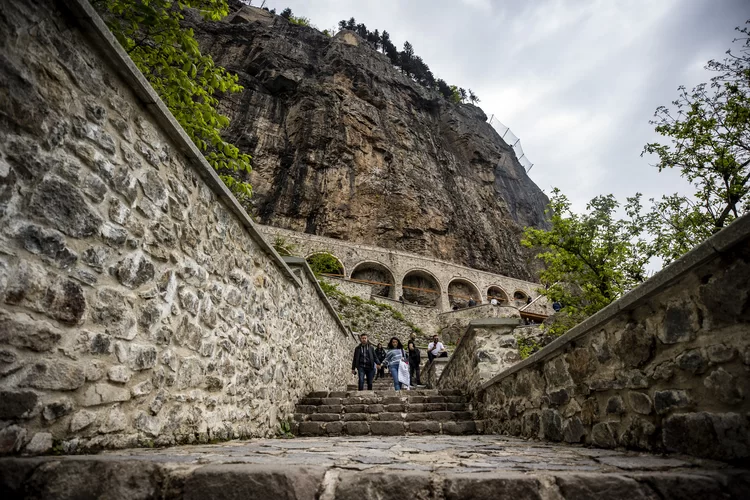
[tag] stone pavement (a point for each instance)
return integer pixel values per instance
(411, 467)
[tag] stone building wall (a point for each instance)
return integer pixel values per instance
(138, 304)
(665, 368)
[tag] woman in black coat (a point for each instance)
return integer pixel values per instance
(414, 361)
(380, 354)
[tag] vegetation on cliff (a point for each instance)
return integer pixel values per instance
(379, 321)
(406, 60)
(187, 81)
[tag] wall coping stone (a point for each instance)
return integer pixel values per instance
(714, 246)
(93, 26)
(301, 263)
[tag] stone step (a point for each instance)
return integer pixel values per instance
(386, 428)
(360, 468)
(380, 408)
(437, 416)
(389, 397)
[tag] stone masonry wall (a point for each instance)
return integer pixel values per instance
(487, 348)
(666, 368)
(137, 304)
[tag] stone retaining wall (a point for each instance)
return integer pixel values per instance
(487, 347)
(665, 368)
(138, 304)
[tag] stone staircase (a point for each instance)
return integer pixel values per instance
(384, 412)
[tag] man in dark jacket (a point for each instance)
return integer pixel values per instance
(365, 362)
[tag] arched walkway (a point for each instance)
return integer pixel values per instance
(520, 298)
(460, 291)
(326, 263)
(421, 287)
(377, 275)
(495, 292)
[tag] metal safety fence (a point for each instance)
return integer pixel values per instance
(512, 140)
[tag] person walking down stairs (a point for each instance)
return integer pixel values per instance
(393, 359)
(380, 353)
(365, 362)
(414, 361)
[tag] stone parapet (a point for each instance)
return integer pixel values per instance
(666, 368)
(433, 370)
(138, 304)
(488, 347)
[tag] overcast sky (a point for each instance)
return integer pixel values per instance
(576, 80)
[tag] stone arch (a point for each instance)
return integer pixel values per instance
(341, 271)
(461, 290)
(520, 298)
(376, 274)
(422, 287)
(498, 293)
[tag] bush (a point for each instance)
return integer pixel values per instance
(283, 247)
(324, 263)
(526, 346)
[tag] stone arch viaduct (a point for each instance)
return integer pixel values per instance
(419, 279)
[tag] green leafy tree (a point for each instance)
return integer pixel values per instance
(590, 259)
(187, 81)
(455, 94)
(473, 97)
(709, 132)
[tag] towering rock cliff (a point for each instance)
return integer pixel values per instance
(346, 146)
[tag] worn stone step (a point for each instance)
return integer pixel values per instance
(404, 407)
(437, 416)
(385, 428)
(422, 465)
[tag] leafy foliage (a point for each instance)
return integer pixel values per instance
(591, 259)
(185, 79)
(283, 247)
(526, 346)
(324, 263)
(299, 21)
(709, 132)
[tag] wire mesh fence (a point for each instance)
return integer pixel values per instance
(512, 140)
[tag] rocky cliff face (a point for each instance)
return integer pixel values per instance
(346, 146)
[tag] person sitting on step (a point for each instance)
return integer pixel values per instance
(436, 349)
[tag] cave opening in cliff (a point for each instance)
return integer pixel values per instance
(421, 287)
(376, 275)
(460, 291)
(495, 292)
